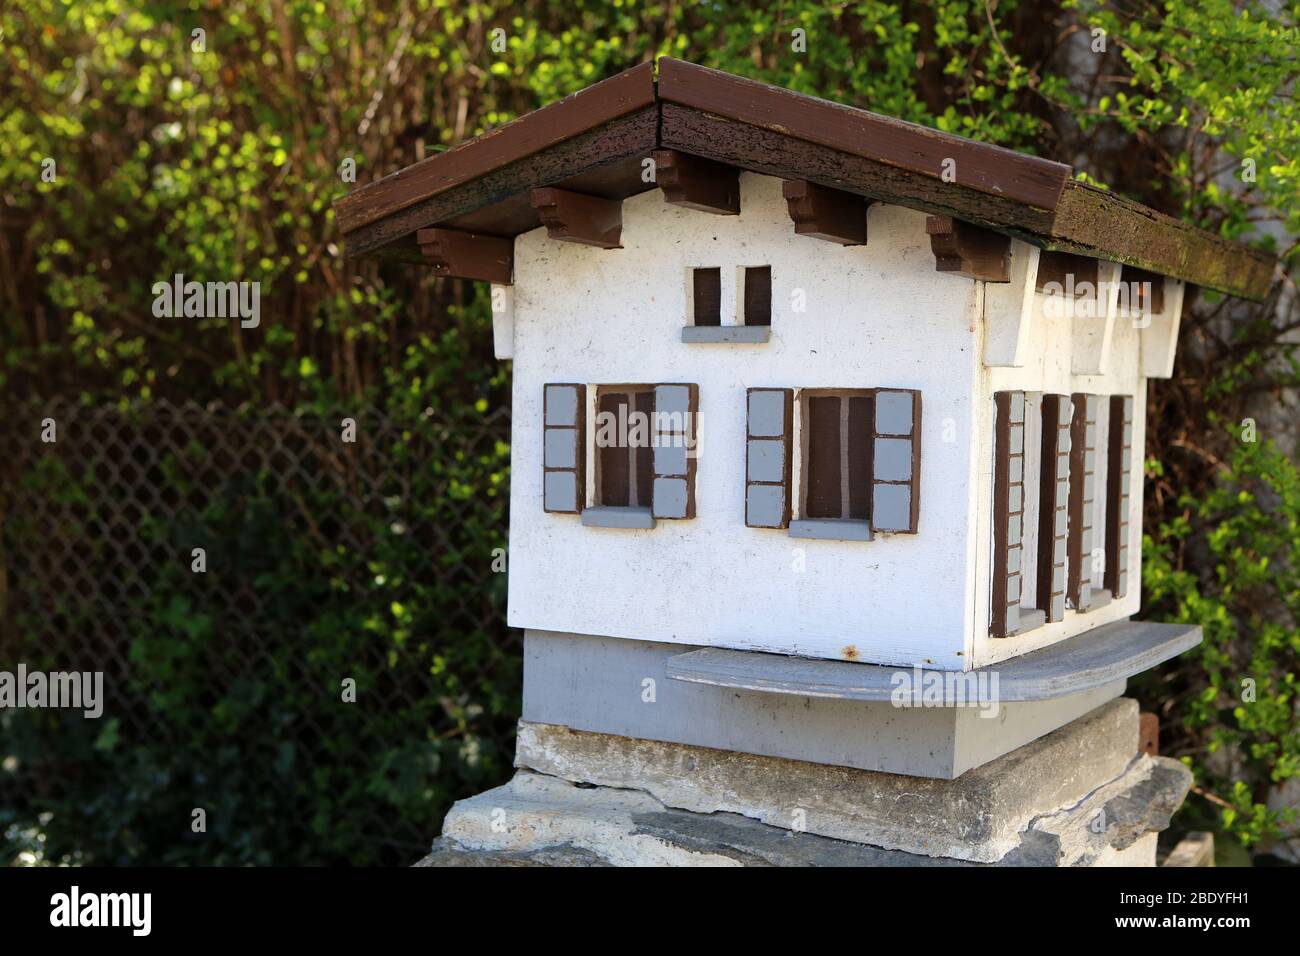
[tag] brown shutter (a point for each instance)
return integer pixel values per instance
(1083, 469)
(1008, 510)
(896, 461)
(707, 296)
(758, 295)
(1118, 465)
(564, 455)
(676, 408)
(770, 423)
(1053, 513)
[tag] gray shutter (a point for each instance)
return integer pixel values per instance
(1118, 465)
(676, 409)
(770, 417)
(1053, 512)
(1008, 510)
(896, 461)
(564, 453)
(1083, 469)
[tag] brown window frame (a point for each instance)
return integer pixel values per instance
(845, 466)
(644, 498)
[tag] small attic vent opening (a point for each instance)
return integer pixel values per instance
(758, 295)
(748, 308)
(706, 296)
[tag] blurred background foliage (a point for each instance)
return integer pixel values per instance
(208, 139)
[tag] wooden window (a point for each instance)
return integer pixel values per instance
(1053, 509)
(706, 296)
(624, 458)
(837, 448)
(563, 453)
(1118, 476)
(861, 457)
(769, 429)
(758, 295)
(644, 451)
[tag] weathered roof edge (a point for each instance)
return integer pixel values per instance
(531, 133)
(768, 129)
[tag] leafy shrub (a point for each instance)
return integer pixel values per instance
(1236, 696)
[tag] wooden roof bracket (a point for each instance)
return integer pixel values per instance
(468, 255)
(576, 217)
(967, 250)
(825, 213)
(697, 183)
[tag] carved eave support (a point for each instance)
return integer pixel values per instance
(967, 250)
(468, 255)
(578, 217)
(1158, 328)
(697, 183)
(1009, 310)
(1093, 328)
(824, 213)
(1085, 291)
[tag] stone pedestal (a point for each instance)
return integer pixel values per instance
(1081, 795)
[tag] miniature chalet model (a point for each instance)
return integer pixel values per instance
(794, 378)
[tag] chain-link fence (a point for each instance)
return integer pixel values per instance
(300, 622)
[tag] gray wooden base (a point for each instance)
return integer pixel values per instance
(616, 686)
(1113, 652)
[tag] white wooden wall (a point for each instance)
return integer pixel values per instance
(878, 315)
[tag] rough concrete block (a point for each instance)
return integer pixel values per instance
(978, 817)
(536, 820)
(1117, 817)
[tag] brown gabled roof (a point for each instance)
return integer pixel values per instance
(595, 141)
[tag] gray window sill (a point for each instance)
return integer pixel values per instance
(1099, 599)
(605, 517)
(726, 334)
(1030, 618)
(833, 529)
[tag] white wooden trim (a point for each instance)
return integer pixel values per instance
(1093, 323)
(503, 321)
(1159, 335)
(1008, 309)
